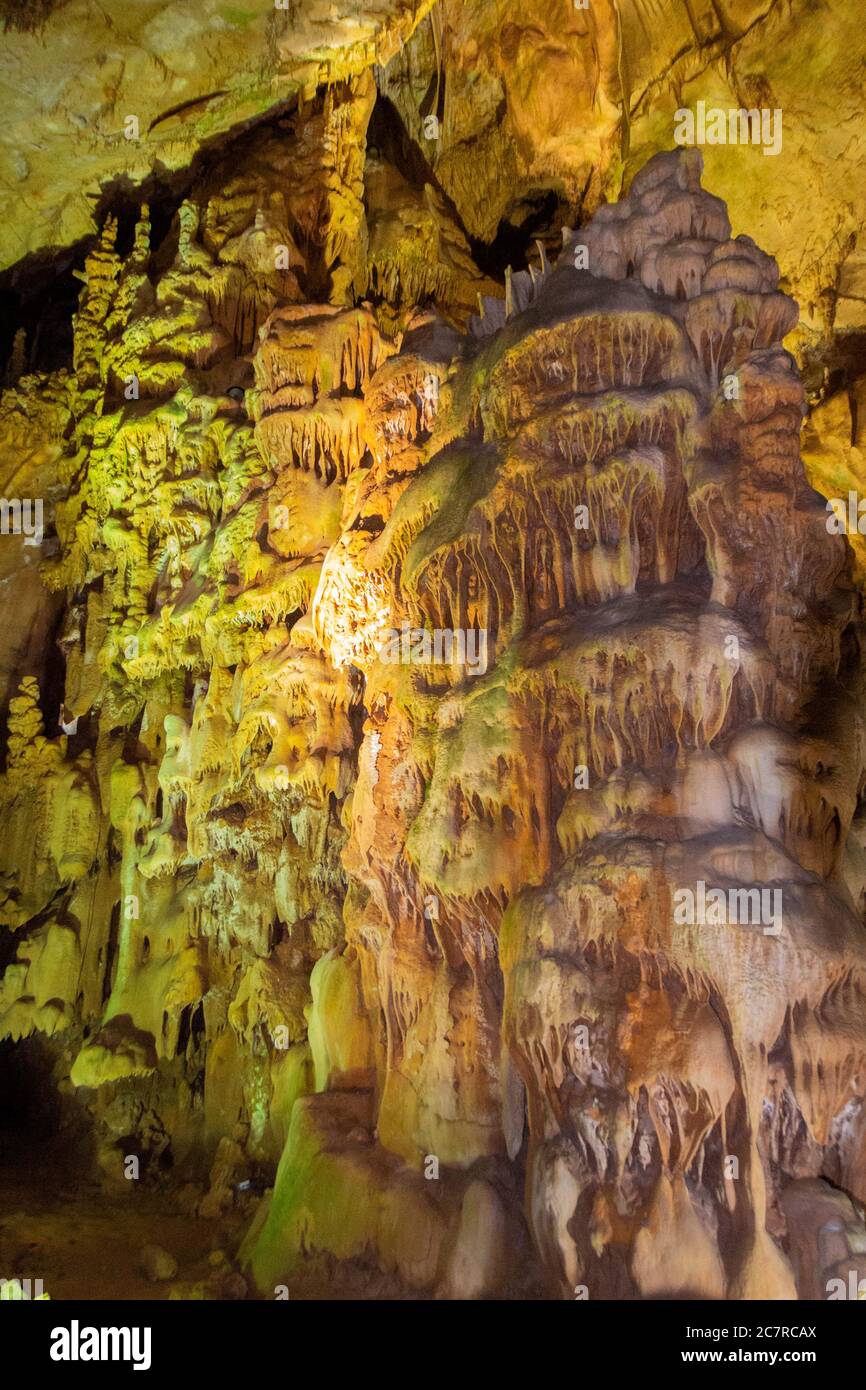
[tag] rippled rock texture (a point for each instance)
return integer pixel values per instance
(435, 752)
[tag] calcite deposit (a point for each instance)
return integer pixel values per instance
(434, 759)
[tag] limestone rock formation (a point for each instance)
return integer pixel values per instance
(434, 751)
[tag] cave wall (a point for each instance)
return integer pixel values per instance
(415, 636)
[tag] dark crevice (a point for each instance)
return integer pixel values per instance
(52, 681)
(539, 215)
(40, 295)
(388, 138)
(193, 104)
(833, 364)
(514, 242)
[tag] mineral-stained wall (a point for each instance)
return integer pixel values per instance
(435, 759)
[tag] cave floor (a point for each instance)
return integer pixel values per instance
(83, 1244)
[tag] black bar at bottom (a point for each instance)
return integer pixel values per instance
(261, 1339)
